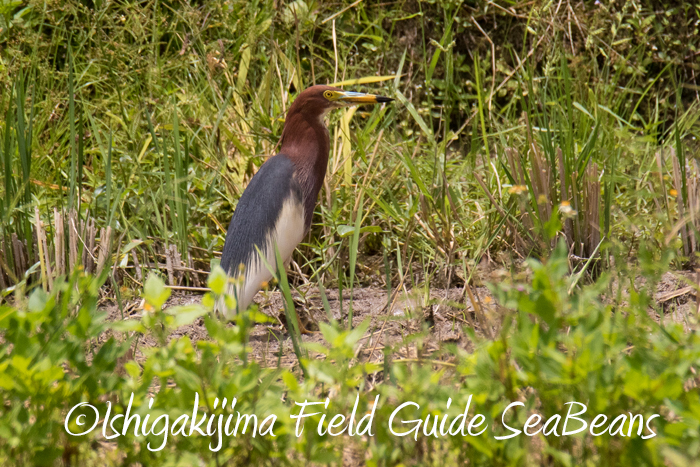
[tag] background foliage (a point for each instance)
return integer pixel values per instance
(520, 130)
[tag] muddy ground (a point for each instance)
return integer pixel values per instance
(442, 316)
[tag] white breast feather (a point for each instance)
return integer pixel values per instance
(288, 232)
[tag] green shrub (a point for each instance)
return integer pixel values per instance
(592, 345)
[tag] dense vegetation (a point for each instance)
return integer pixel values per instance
(556, 141)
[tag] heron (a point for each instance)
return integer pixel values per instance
(277, 206)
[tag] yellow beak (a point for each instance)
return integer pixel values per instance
(349, 98)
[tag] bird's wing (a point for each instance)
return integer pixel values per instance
(270, 212)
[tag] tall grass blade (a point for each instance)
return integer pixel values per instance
(23, 132)
(326, 304)
(387, 271)
(289, 311)
(365, 80)
(353, 252)
(444, 43)
(180, 192)
(166, 175)
(81, 160)
(609, 189)
(71, 121)
(481, 104)
(108, 178)
(7, 158)
(347, 145)
(416, 116)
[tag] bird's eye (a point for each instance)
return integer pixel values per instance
(328, 95)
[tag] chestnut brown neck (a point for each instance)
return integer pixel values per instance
(306, 142)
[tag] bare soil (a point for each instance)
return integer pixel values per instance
(441, 317)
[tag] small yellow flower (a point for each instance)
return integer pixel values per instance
(148, 307)
(566, 210)
(673, 192)
(517, 189)
(264, 285)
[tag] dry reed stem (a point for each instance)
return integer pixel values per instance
(678, 184)
(18, 250)
(694, 206)
(565, 195)
(3, 284)
(105, 248)
(137, 265)
(592, 213)
(59, 244)
(582, 233)
(190, 265)
(169, 265)
(93, 257)
(44, 256)
(89, 249)
(72, 241)
(660, 165)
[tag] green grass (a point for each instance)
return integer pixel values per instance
(519, 132)
(193, 102)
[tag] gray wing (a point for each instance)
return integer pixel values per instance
(270, 212)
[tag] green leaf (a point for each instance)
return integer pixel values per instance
(217, 280)
(347, 230)
(414, 113)
(208, 301)
(330, 333)
(131, 245)
(128, 325)
(552, 226)
(155, 292)
(583, 109)
(290, 381)
(187, 314)
(187, 378)
(38, 299)
(133, 369)
(259, 317)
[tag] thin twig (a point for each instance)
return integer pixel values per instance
(493, 60)
(190, 289)
(335, 15)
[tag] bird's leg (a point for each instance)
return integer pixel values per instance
(304, 318)
(302, 328)
(305, 321)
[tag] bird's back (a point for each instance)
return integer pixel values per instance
(270, 212)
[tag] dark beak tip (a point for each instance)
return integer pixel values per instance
(381, 99)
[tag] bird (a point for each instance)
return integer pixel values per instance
(276, 208)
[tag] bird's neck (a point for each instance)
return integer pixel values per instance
(306, 142)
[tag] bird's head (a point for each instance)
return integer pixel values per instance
(305, 135)
(319, 100)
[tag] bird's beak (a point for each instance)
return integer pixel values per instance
(352, 98)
